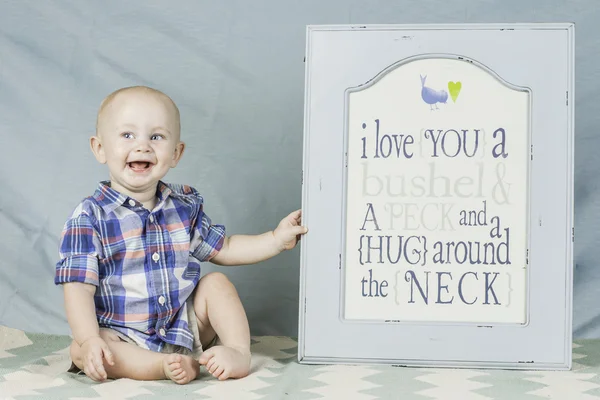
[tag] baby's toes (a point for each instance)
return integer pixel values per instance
(218, 372)
(205, 357)
(211, 364)
(225, 375)
(212, 368)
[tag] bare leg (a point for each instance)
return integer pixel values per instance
(219, 311)
(134, 362)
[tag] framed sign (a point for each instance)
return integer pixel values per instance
(438, 188)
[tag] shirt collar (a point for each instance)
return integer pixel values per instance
(109, 199)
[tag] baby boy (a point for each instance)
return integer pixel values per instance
(130, 258)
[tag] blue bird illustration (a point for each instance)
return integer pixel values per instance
(432, 96)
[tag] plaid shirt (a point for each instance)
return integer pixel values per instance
(144, 264)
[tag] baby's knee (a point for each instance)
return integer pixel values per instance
(216, 280)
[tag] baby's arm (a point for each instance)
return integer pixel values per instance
(251, 249)
(81, 315)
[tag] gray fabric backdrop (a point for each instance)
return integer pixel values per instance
(236, 70)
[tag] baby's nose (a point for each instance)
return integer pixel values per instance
(143, 147)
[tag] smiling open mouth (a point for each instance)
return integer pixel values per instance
(138, 166)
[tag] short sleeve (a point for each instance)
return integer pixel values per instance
(206, 238)
(79, 251)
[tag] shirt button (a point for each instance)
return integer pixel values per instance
(151, 218)
(155, 257)
(132, 203)
(162, 332)
(161, 300)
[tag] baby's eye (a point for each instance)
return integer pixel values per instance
(127, 135)
(157, 136)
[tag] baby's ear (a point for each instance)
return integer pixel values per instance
(98, 149)
(177, 154)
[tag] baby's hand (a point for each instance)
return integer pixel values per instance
(93, 350)
(288, 232)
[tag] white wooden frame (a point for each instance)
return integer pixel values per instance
(323, 336)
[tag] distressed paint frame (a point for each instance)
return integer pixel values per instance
(306, 355)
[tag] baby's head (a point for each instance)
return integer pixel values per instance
(137, 136)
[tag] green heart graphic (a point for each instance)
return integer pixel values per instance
(454, 89)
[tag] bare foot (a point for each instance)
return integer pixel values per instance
(226, 362)
(180, 369)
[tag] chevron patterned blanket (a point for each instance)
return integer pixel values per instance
(33, 366)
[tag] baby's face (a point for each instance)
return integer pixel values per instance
(139, 140)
